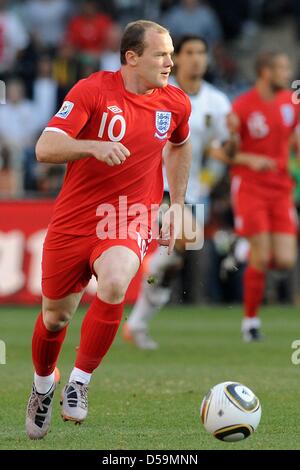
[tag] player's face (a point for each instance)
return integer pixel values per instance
(154, 65)
(280, 72)
(191, 61)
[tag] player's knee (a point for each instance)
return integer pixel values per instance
(56, 320)
(113, 288)
(260, 264)
(261, 261)
(285, 262)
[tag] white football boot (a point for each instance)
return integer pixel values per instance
(139, 338)
(39, 411)
(74, 403)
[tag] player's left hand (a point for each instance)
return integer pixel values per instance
(171, 227)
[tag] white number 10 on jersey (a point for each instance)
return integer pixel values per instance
(110, 131)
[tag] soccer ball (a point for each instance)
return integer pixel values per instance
(230, 411)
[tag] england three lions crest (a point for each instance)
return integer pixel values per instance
(162, 123)
(288, 114)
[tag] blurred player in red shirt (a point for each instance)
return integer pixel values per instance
(266, 119)
(87, 32)
(111, 130)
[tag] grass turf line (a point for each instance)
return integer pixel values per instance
(151, 400)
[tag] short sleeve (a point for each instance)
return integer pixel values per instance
(74, 112)
(182, 131)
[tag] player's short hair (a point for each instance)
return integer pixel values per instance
(266, 60)
(186, 38)
(134, 37)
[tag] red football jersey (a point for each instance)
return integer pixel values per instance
(100, 108)
(89, 34)
(266, 127)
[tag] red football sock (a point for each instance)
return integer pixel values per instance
(254, 286)
(98, 330)
(46, 346)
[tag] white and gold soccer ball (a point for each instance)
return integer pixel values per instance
(230, 411)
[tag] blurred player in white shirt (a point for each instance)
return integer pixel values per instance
(13, 37)
(210, 108)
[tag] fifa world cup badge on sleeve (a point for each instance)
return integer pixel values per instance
(65, 109)
(288, 114)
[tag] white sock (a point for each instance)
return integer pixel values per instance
(250, 322)
(78, 375)
(43, 384)
(142, 313)
(160, 261)
(151, 299)
(153, 296)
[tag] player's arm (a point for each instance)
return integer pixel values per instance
(227, 150)
(225, 143)
(177, 160)
(296, 142)
(177, 157)
(254, 161)
(224, 151)
(58, 147)
(217, 151)
(227, 154)
(59, 143)
(236, 157)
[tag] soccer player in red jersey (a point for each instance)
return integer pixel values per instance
(110, 130)
(265, 118)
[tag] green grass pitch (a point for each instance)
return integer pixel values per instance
(151, 400)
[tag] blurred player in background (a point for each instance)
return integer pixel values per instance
(265, 119)
(209, 131)
(109, 154)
